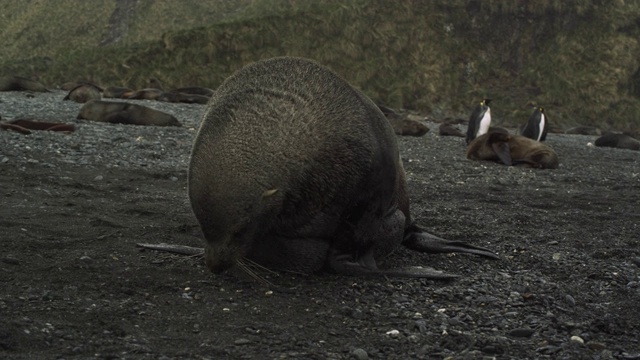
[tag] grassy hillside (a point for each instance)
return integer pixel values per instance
(579, 59)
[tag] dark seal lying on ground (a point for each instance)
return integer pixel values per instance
(19, 83)
(295, 169)
(401, 124)
(621, 141)
(512, 150)
(125, 113)
(82, 93)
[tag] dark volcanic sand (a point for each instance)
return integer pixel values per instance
(73, 284)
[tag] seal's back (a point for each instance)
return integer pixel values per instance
(286, 146)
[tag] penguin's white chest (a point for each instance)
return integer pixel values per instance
(485, 122)
(541, 126)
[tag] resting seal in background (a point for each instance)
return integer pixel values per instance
(18, 83)
(621, 141)
(82, 93)
(295, 169)
(512, 150)
(401, 124)
(125, 113)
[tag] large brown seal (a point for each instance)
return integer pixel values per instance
(512, 150)
(125, 113)
(295, 169)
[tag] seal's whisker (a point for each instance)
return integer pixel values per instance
(256, 265)
(247, 270)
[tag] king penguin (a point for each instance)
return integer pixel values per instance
(536, 127)
(479, 121)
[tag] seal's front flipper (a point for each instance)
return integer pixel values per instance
(418, 240)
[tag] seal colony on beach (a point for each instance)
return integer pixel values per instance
(124, 113)
(295, 169)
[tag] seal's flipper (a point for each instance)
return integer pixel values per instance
(365, 265)
(419, 272)
(503, 152)
(428, 243)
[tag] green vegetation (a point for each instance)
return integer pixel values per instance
(579, 59)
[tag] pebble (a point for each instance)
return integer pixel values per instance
(360, 354)
(242, 341)
(422, 326)
(577, 339)
(393, 333)
(570, 300)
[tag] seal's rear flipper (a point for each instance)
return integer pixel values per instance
(365, 265)
(418, 240)
(419, 272)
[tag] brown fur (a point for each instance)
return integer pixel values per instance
(125, 113)
(145, 94)
(512, 150)
(83, 93)
(116, 92)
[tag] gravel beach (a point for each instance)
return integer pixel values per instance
(73, 283)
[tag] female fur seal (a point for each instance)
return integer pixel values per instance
(296, 170)
(512, 150)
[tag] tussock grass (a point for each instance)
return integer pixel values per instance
(579, 59)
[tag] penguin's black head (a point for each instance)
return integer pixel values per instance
(541, 109)
(485, 102)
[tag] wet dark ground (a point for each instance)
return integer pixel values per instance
(73, 284)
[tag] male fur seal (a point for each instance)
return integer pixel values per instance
(125, 113)
(295, 169)
(512, 150)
